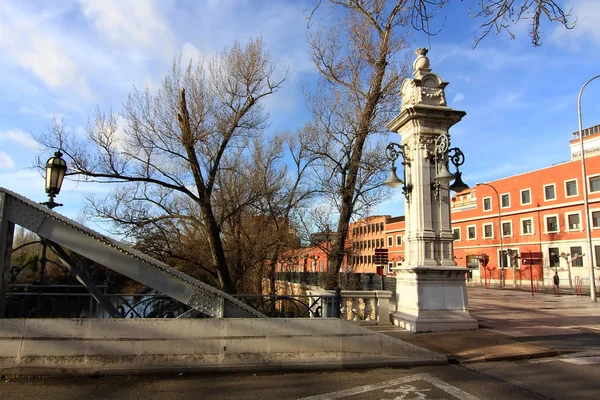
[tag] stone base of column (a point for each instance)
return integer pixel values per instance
(432, 299)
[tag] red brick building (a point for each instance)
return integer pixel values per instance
(536, 218)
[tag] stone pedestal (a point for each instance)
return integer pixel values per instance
(430, 289)
(432, 299)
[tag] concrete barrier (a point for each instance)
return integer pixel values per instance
(128, 346)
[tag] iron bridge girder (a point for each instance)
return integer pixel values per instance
(119, 258)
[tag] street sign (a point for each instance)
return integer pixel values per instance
(532, 258)
(380, 257)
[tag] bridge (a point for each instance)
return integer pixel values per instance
(62, 233)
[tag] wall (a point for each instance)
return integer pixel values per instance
(128, 346)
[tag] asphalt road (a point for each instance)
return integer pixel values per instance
(573, 377)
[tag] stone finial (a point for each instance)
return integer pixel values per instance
(421, 64)
(426, 88)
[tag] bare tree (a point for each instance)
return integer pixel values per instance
(291, 189)
(356, 97)
(168, 151)
(359, 60)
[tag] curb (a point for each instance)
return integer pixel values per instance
(456, 359)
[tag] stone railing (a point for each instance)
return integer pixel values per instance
(355, 305)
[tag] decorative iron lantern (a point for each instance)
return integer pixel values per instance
(56, 169)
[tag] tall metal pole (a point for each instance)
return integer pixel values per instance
(501, 258)
(586, 206)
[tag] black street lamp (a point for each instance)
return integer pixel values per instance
(56, 168)
(441, 156)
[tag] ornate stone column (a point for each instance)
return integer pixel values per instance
(431, 291)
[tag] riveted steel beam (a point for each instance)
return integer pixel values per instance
(121, 258)
(7, 229)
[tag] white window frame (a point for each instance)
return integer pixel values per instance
(483, 204)
(475, 228)
(398, 239)
(523, 233)
(568, 228)
(459, 233)
(390, 241)
(554, 188)
(502, 205)
(521, 196)
(511, 229)
(483, 230)
(546, 223)
(576, 187)
(589, 182)
(390, 265)
(592, 211)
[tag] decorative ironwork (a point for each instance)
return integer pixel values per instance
(393, 151)
(283, 306)
(150, 306)
(444, 154)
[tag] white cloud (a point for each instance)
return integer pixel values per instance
(20, 137)
(132, 23)
(36, 49)
(458, 97)
(5, 161)
(585, 15)
(189, 52)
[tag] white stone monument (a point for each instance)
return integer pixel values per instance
(430, 289)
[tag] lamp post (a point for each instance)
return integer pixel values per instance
(586, 206)
(501, 258)
(56, 168)
(442, 155)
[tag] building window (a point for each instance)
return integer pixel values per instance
(503, 257)
(549, 193)
(390, 266)
(456, 233)
(369, 259)
(471, 233)
(554, 256)
(398, 240)
(390, 241)
(552, 223)
(571, 188)
(597, 255)
(573, 221)
(527, 227)
(321, 266)
(594, 184)
(507, 228)
(595, 219)
(513, 257)
(488, 231)
(473, 261)
(505, 200)
(487, 204)
(525, 196)
(576, 258)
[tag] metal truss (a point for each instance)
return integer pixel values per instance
(62, 232)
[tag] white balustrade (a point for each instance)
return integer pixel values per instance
(372, 306)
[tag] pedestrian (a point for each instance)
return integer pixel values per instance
(556, 283)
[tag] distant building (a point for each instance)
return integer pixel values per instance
(542, 229)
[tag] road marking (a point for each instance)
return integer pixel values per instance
(582, 360)
(454, 391)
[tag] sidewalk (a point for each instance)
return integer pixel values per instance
(514, 325)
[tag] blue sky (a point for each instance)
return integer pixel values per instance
(68, 58)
